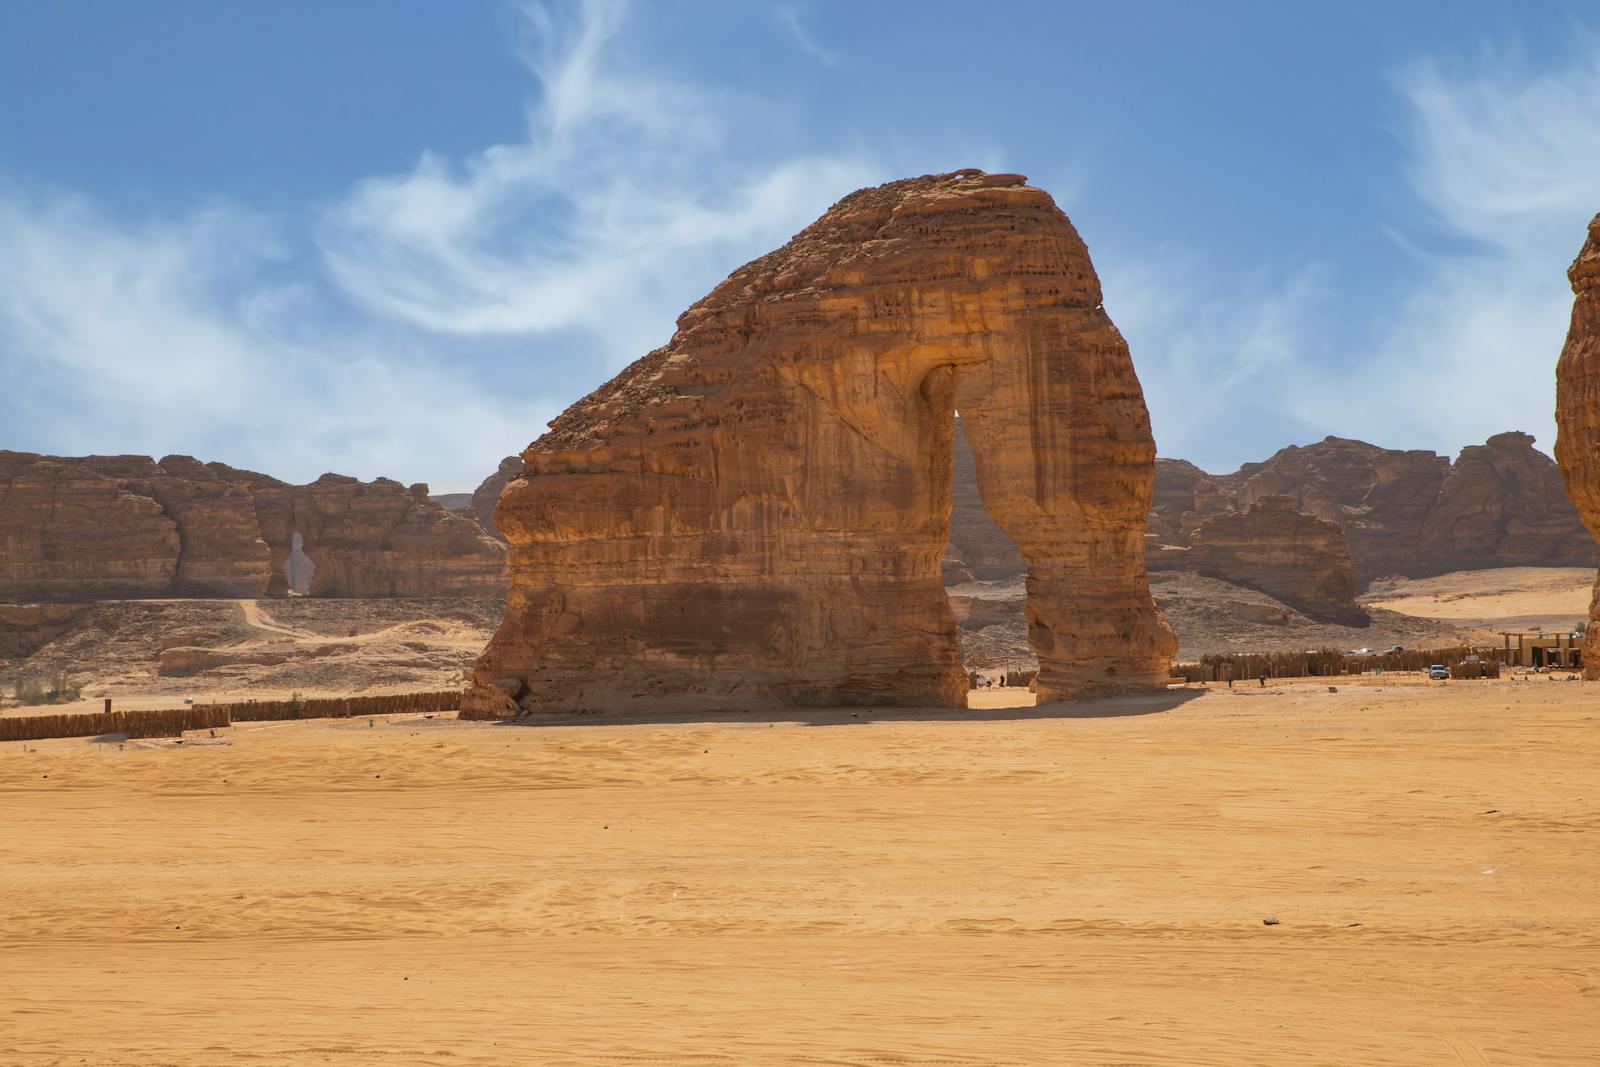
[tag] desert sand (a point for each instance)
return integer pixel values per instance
(1068, 885)
(1510, 597)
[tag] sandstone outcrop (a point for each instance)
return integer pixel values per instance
(104, 527)
(1503, 505)
(1578, 413)
(757, 513)
(1290, 555)
(65, 526)
(1185, 496)
(487, 495)
(1416, 514)
(375, 539)
(983, 549)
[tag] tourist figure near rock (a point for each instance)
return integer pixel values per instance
(1578, 413)
(756, 513)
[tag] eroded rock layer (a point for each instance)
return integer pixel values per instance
(105, 527)
(1578, 413)
(758, 512)
(1290, 555)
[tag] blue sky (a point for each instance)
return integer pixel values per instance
(396, 238)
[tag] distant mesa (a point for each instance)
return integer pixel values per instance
(758, 512)
(108, 527)
(1403, 513)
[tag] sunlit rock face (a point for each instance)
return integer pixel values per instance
(1578, 413)
(757, 512)
(101, 527)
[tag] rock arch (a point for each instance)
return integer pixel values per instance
(756, 513)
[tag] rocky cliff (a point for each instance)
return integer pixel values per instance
(1295, 557)
(758, 512)
(487, 495)
(1416, 514)
(1578, 412)
(103, 527)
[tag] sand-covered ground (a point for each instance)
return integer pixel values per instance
(1078, 886)
(154, 653)
(1508, 598)
(1210, 616)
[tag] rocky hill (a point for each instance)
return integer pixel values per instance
(107, 527)
(1410, 514)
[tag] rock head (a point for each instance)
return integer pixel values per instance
(757, 512)
(1578, 413)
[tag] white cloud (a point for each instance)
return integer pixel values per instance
(1500, 164)
(629, 185)
(173, 335)
(373, 337)
(789, 18)
(1505, 156)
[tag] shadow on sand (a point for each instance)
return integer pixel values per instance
(1107, 708)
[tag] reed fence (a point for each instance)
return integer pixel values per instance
(172, 722)
(168, 722)
(1460, 660)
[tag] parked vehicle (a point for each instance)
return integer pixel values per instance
(1438, 672)
(1392, 649)
(1359, 652)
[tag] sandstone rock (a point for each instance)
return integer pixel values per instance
(375, 539)
(758, 512)
(67, 532)
(1406, 513)
(1185, 496)
(1290, 555)
(487, 495)
(975, 539)
(1380, 497)
(25, 628)
(221, 552)
(98, 527)
(1503, 505)
(186, 662)
(1578, 413)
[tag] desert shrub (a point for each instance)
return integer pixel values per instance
(60, 690)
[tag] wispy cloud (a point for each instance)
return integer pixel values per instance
(428, 322)
(789, 18)
(1498, 184)
(628, 183)
(1505, 157)
(187, 334)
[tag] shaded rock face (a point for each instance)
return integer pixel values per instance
(1185, 496)
(758, 512)
(375, 539)
(1379, 497)
(101, 527)
(1503, 505)
(1290, 555)
(1411, 514)
(977, 543)
(487, 495)
(1578, 413)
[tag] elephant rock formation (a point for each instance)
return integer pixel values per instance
(1578, 414)
(757, 512)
